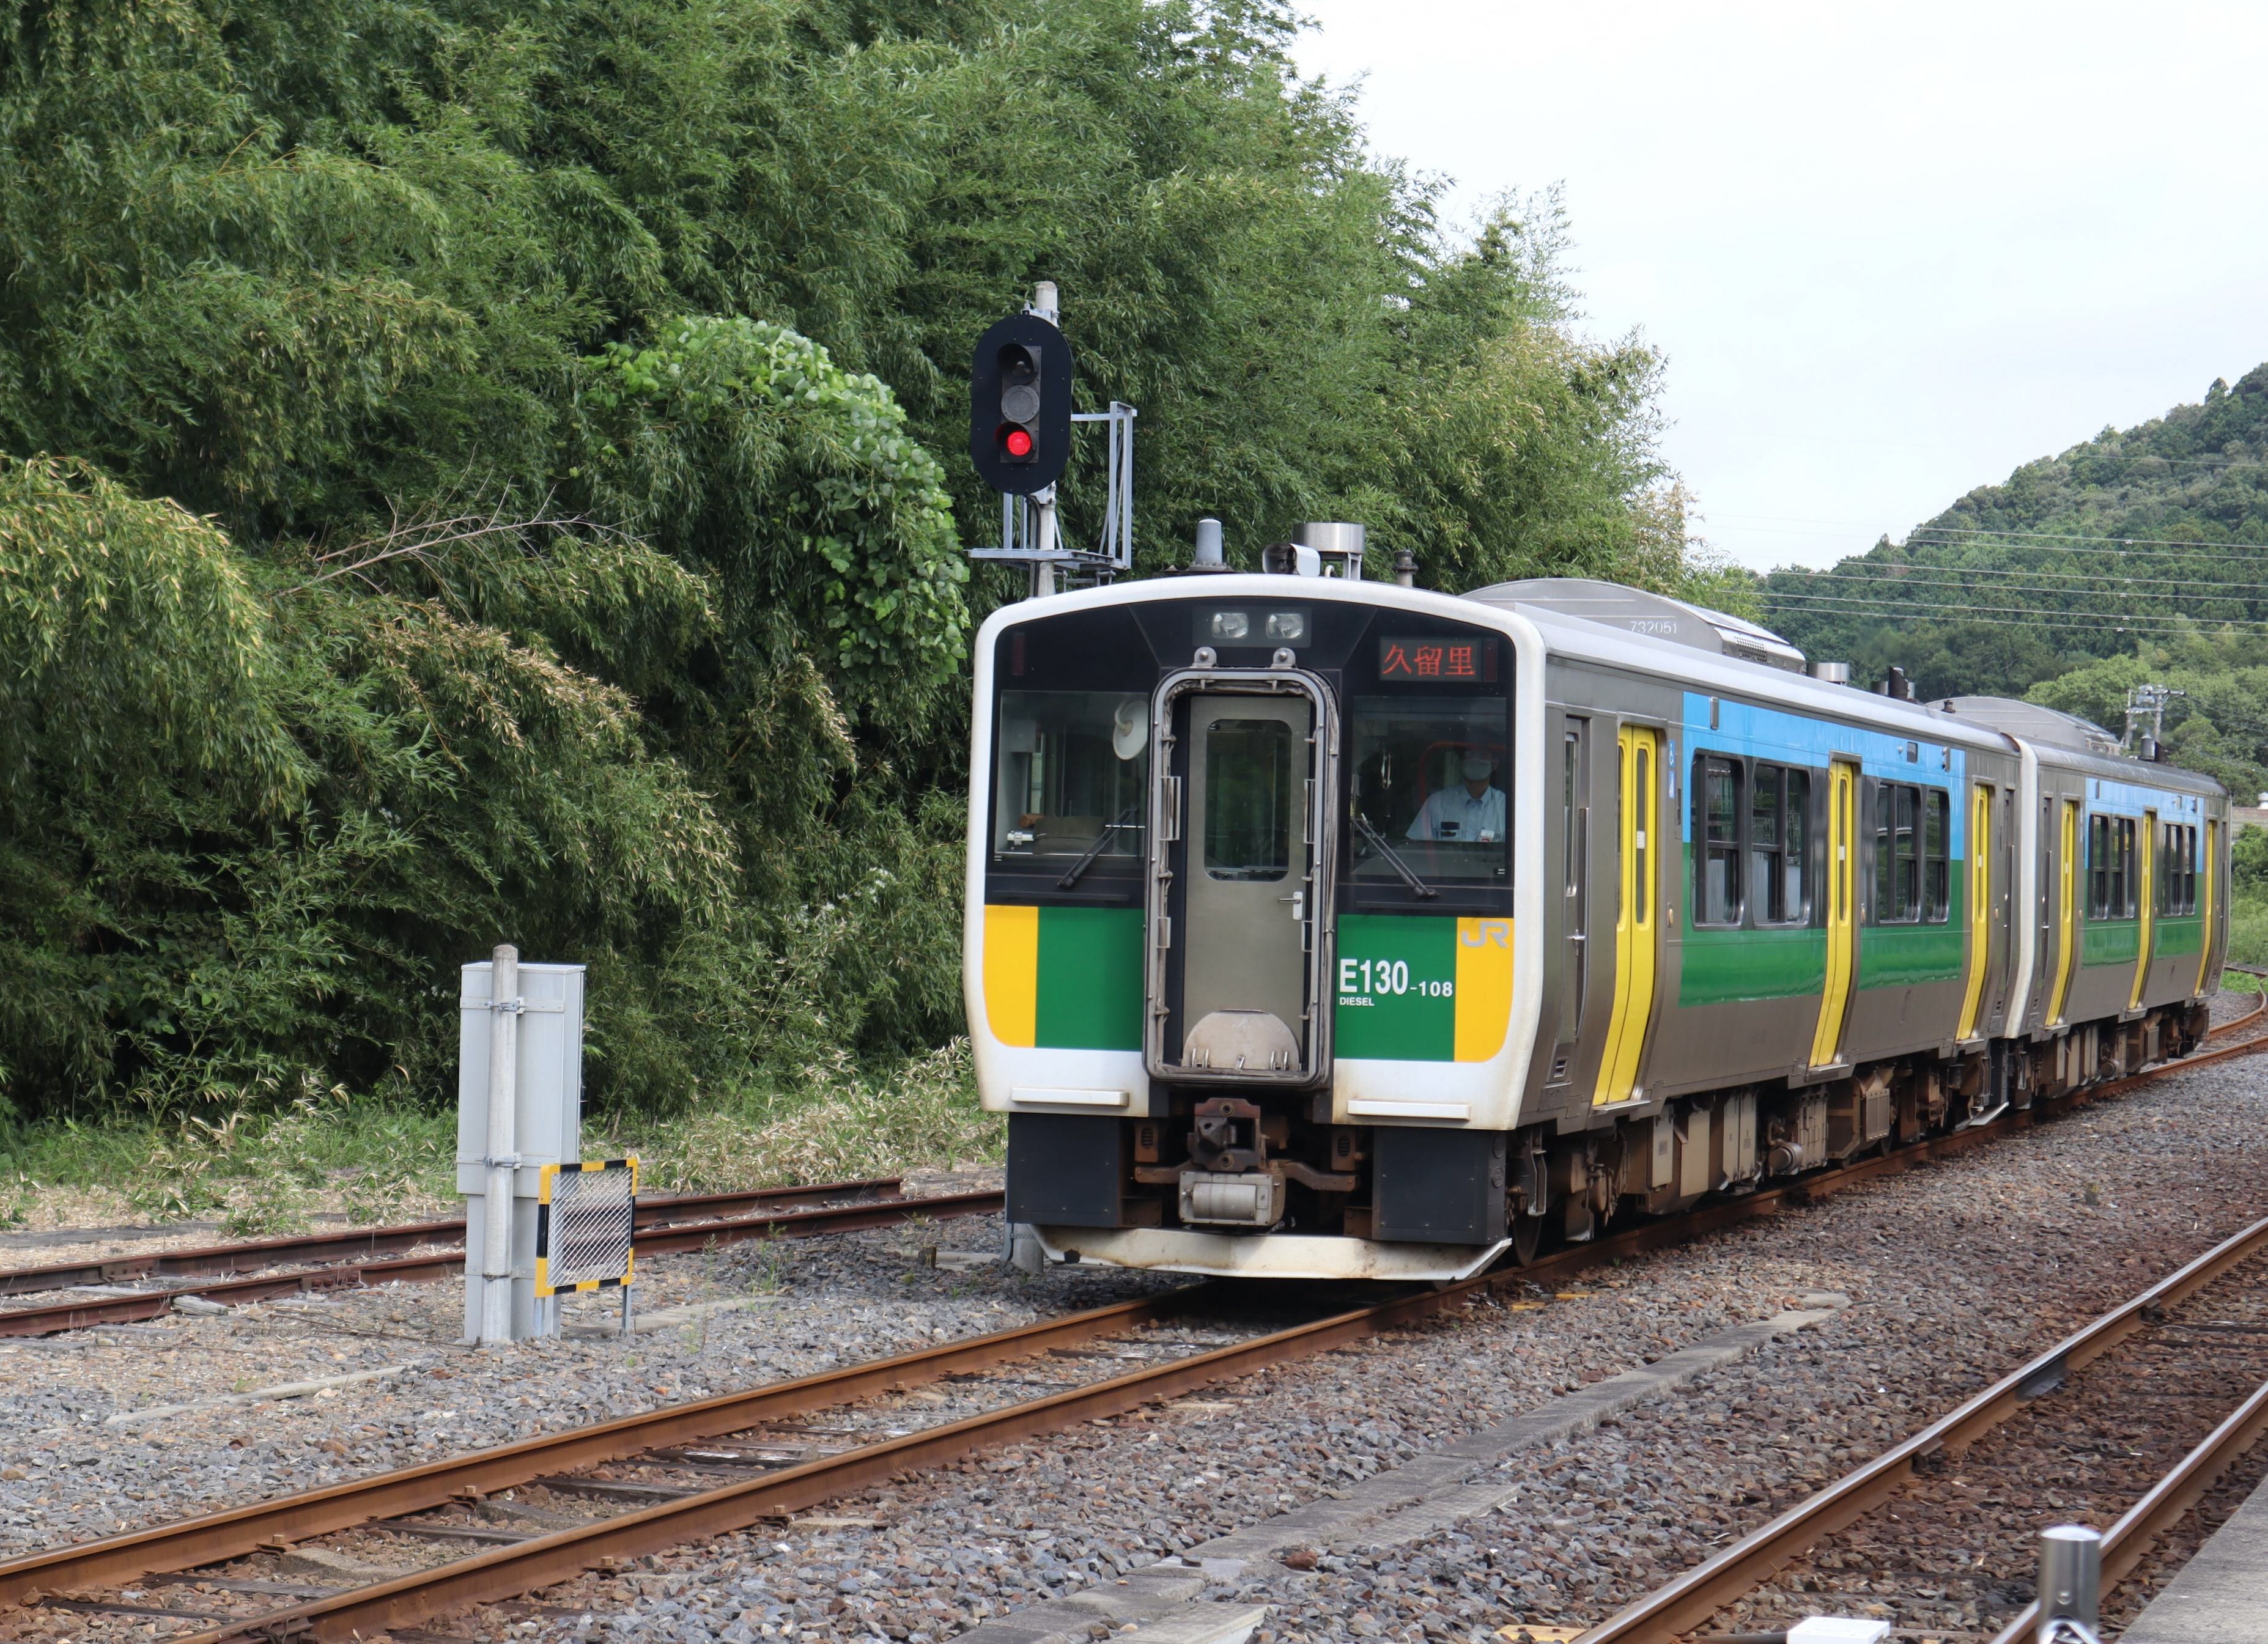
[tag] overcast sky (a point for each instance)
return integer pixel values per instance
(1890, 250)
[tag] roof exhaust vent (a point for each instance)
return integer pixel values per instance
(1831, 672)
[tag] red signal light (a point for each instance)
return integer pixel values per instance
(1018, 443)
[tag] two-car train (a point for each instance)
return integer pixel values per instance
(1320, 926)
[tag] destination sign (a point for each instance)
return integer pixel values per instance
(1431, 657)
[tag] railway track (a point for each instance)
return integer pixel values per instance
(324, 1261)
(689, 1472)
(2133, 1416)
(330, 1261)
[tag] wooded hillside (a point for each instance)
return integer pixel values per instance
(2140, 555)
(490, 469)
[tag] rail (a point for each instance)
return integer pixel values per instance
(659, 1238)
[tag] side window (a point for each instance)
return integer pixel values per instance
(2098, 868)
(1897, 853)
(1937, 856)
(1886, 810)
(1779, 867)
(1795, 856)
(1717, 818)
(1765, 844)
(1909, 903)
(2130, 878)
(2173, 889)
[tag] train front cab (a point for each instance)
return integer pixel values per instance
(1241, 932)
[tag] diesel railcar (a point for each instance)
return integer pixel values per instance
(1318, 926)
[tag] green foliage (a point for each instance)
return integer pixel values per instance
(2218, 725)
(2135, 537)
(2248, 854)
(469, 470)
(744, 449)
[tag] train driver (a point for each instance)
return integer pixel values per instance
(1471, 811)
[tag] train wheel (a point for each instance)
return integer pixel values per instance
(1527, 1238)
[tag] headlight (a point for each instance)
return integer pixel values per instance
(1291, 627)
(1231, 625)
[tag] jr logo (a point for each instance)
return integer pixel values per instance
(1485, 933)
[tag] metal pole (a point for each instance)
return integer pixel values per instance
(1043, 571)
(503, 1160)
(2070, 1584)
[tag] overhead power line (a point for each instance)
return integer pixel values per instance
(1957, 575)
(2195, 550)
(1912, 610)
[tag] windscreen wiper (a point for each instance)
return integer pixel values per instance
(1394, 862)
(1102, 840)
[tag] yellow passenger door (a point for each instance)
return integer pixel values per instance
(1638, 814)
(1842, 913)
(2146, 902)
(1980, 902)
(2066, 910)
(2204, 902)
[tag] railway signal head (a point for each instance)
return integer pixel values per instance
(1020, 406)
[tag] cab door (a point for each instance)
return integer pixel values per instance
(1238, 887)
(1841, 913)
(1637, 815)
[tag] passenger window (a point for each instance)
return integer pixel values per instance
(2098, 868)
(1717, 798)
(2129, 880)
(1073, 769)
(1937, 856)
(1898, 859)
(1908, 889)
(1779, 864)
(1764, 843)
(1248, 807)
(1795, 855)
(1432, 786)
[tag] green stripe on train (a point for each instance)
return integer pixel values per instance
(2174, 937)
(1090, 978)
(1720, 966)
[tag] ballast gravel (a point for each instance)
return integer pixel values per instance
(80, 1458)
(1956, 1272)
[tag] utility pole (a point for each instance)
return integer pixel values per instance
(2147, 702)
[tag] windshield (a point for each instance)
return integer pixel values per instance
(1431, 776)
(1074, 769)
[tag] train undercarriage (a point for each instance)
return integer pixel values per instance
(1379, 1202)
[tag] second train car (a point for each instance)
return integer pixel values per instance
(1325, 928)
